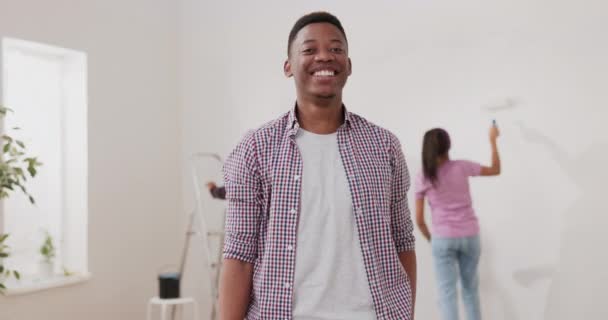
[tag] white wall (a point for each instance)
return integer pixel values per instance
(420, 64)
(135, 216)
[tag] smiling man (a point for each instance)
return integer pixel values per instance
(318, 225)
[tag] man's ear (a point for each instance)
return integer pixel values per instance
(350, 67)
(287, 69)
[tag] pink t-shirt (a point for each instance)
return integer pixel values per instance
(452, 211)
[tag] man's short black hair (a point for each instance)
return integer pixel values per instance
(314, 17)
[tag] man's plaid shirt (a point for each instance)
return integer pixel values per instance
(263, 186)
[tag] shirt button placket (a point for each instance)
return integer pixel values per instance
(358, 211)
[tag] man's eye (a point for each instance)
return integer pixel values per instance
(308, 51)
(337, 50)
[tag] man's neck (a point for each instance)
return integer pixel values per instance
(320, 118)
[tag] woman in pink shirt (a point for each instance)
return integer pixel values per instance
(455, 229)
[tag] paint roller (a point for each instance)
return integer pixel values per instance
(499, 106)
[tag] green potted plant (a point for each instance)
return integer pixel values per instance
(47, 250)
(5, 272)
(15, 168)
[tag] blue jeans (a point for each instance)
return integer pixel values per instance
(454, 257)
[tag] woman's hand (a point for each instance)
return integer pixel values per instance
(494, 133)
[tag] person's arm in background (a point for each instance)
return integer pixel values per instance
(401, 222)
(244, 195)
(420, 219)
(495, 168)
(216, 192)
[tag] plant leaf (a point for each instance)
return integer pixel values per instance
(31, 170)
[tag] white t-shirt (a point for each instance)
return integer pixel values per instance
(330, 278)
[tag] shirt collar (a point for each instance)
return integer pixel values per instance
(293, 125)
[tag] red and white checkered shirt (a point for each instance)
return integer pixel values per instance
(263, 187)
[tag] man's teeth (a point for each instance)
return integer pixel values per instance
(324, 73)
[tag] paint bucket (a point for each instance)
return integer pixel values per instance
(168, 285)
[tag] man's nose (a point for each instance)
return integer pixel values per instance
(324, 55)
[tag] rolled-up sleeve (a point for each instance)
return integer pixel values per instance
(243, 194)
(402, 227)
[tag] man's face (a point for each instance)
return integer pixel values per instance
(318, 61)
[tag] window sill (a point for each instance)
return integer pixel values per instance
(35, 284)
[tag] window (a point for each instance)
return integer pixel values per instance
(45, 86)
